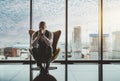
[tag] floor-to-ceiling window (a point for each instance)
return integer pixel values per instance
(111, 43)
(83, 30)
(53, 13)
(14, 39)
(111, 28)
(14, 25)
(89, 41)
(82, 39)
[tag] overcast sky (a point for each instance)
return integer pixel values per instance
(14, 18)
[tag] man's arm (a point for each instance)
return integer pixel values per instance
(48, 40)
(35, 39)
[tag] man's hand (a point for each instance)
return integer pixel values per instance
(41, 31)
(31, 31)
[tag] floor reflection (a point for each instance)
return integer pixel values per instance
(45, 77)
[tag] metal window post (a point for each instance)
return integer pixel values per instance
(100, 44)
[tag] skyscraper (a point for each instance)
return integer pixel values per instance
(116, 40)
(76, 42)
(94, 42)
(116, 45)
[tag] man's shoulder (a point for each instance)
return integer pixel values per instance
(35, 33)
(48, 31)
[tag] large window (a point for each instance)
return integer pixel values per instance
(111, 29)
(53, 13)
(83, 29)
(89, 43)
(14, 25)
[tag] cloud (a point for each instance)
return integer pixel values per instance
(15, 15)
(14, 21)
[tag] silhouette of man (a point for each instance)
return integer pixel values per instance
(42, 47)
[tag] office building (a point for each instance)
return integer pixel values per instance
(76, 42)
(94, 42)
(116, 45)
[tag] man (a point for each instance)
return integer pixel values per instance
(42, 47)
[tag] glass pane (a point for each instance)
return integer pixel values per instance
(14, 72)
(83, 30)
(14, 26)
(82, 72)
(53, 13)
(111, 41)
(111, 72)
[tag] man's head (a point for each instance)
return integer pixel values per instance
(42, 25)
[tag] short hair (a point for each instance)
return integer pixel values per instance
(42, 23)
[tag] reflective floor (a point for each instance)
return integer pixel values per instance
(76, 72)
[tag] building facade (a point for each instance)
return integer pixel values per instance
(76, 42)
